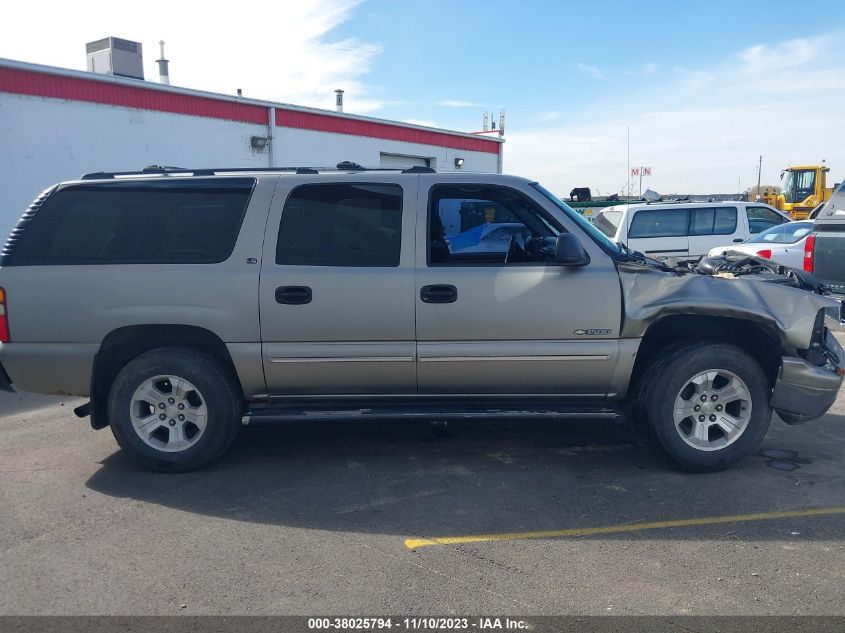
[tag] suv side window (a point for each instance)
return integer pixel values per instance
(659, 223)
(175, 222)
(479, 224)
(341, 225)
(713, 221)
(761, 218)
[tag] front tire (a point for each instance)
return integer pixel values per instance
(174, 409)
(707, 404)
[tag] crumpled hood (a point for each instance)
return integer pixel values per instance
(650, 294)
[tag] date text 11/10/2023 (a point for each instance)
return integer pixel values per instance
(422, 623)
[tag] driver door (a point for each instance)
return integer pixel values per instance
(495, 313)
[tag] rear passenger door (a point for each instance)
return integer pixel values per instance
(711, 227)
(337, 286)
(660, 233)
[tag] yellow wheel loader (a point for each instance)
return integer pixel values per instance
(804, 190)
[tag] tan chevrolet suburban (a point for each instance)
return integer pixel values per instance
(186, 303)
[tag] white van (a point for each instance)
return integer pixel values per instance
(686, 230)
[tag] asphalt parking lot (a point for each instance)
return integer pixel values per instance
(384, 519)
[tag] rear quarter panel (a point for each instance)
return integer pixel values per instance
(59, 315)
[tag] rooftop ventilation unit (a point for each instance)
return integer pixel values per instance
(114, 56)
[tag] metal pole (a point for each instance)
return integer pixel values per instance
(271, 149)
(641, 181)
(759, 171)
(628, 190)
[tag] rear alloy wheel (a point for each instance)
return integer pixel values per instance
(707, 404)
(175, 408)
(168, 413)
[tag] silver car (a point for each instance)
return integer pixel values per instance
(185, 303)
(785, 244)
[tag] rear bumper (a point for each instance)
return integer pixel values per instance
(5, 383)
(804, 391)
(62, 369)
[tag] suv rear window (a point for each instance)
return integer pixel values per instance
(683, 222)
(659, 223)
(341, 225)
(713, 221)
(608, 222)
(161, 222)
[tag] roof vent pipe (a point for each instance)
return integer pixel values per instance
(163, 70)
(339, 100)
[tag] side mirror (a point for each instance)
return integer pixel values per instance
(569, 252)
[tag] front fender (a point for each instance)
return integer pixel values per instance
(650, 294)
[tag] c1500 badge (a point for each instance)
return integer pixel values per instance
(593, 332)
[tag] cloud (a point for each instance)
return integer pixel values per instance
(284, 52)
(422, 122)
(700, 129)
(550, 115)
(788, 54)
(457, 103)
(593, 71)
(604, 74)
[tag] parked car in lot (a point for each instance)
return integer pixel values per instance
(784, 244)
(685, 230)
(824, 253)
(185, 303)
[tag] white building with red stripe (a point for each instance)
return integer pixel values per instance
(56, 124)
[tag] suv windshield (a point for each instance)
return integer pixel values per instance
(599, 237)
(799, 185)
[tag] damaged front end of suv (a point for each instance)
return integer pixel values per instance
(787, 308)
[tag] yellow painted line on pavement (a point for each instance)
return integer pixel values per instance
(415, 543)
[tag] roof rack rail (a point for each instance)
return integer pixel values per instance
(673, 201)
(166, 170)
(154, 170)
(348, 165)
(419, 169)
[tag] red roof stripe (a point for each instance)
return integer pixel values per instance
(41, 84)
(77, 89)
(376, 129)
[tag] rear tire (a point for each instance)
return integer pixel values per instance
(174, 409)
(707, 404)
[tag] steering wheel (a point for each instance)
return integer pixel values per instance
(540, 249)
(533, 248)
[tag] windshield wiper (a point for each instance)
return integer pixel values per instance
(636, 256)
(630, 252)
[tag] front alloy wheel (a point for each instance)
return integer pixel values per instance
(706, 403)
(712, 410)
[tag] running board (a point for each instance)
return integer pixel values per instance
(427, 411)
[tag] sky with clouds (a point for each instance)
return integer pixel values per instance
(705, 88)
